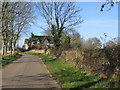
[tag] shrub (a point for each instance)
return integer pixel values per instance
(66, 42)
(99, 61)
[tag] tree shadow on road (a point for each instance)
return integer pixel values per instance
(91, 83)
(39, 80)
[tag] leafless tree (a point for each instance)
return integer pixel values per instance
(59, 16)
(15, 19)
(109, 3)
(4, 25)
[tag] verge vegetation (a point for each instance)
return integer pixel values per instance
(69, 76)
(8, 59)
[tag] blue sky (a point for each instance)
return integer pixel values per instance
(96, 23)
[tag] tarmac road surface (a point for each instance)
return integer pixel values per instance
(27, 72)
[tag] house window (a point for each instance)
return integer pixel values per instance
(38, 42)
(35, 42)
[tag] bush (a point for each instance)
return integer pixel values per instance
(99, 61)
(66, 43)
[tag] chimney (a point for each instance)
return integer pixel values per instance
(32, 35)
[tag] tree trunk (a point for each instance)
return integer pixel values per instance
(4, 27)
(11, 48)
(2, 47)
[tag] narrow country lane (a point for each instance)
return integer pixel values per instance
(27, 72)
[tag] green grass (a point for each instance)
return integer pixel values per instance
(70, 77)
(8, 59)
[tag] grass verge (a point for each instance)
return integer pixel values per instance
(8, 59)
(69, 76)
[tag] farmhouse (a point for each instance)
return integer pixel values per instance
(38, 42)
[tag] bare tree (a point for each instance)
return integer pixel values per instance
(4, 26)
(93, 43)
(59, 16)
(16, 16)
(21, 18)
(109, 3)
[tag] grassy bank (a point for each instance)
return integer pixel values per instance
(8, 59)
(71, 77)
